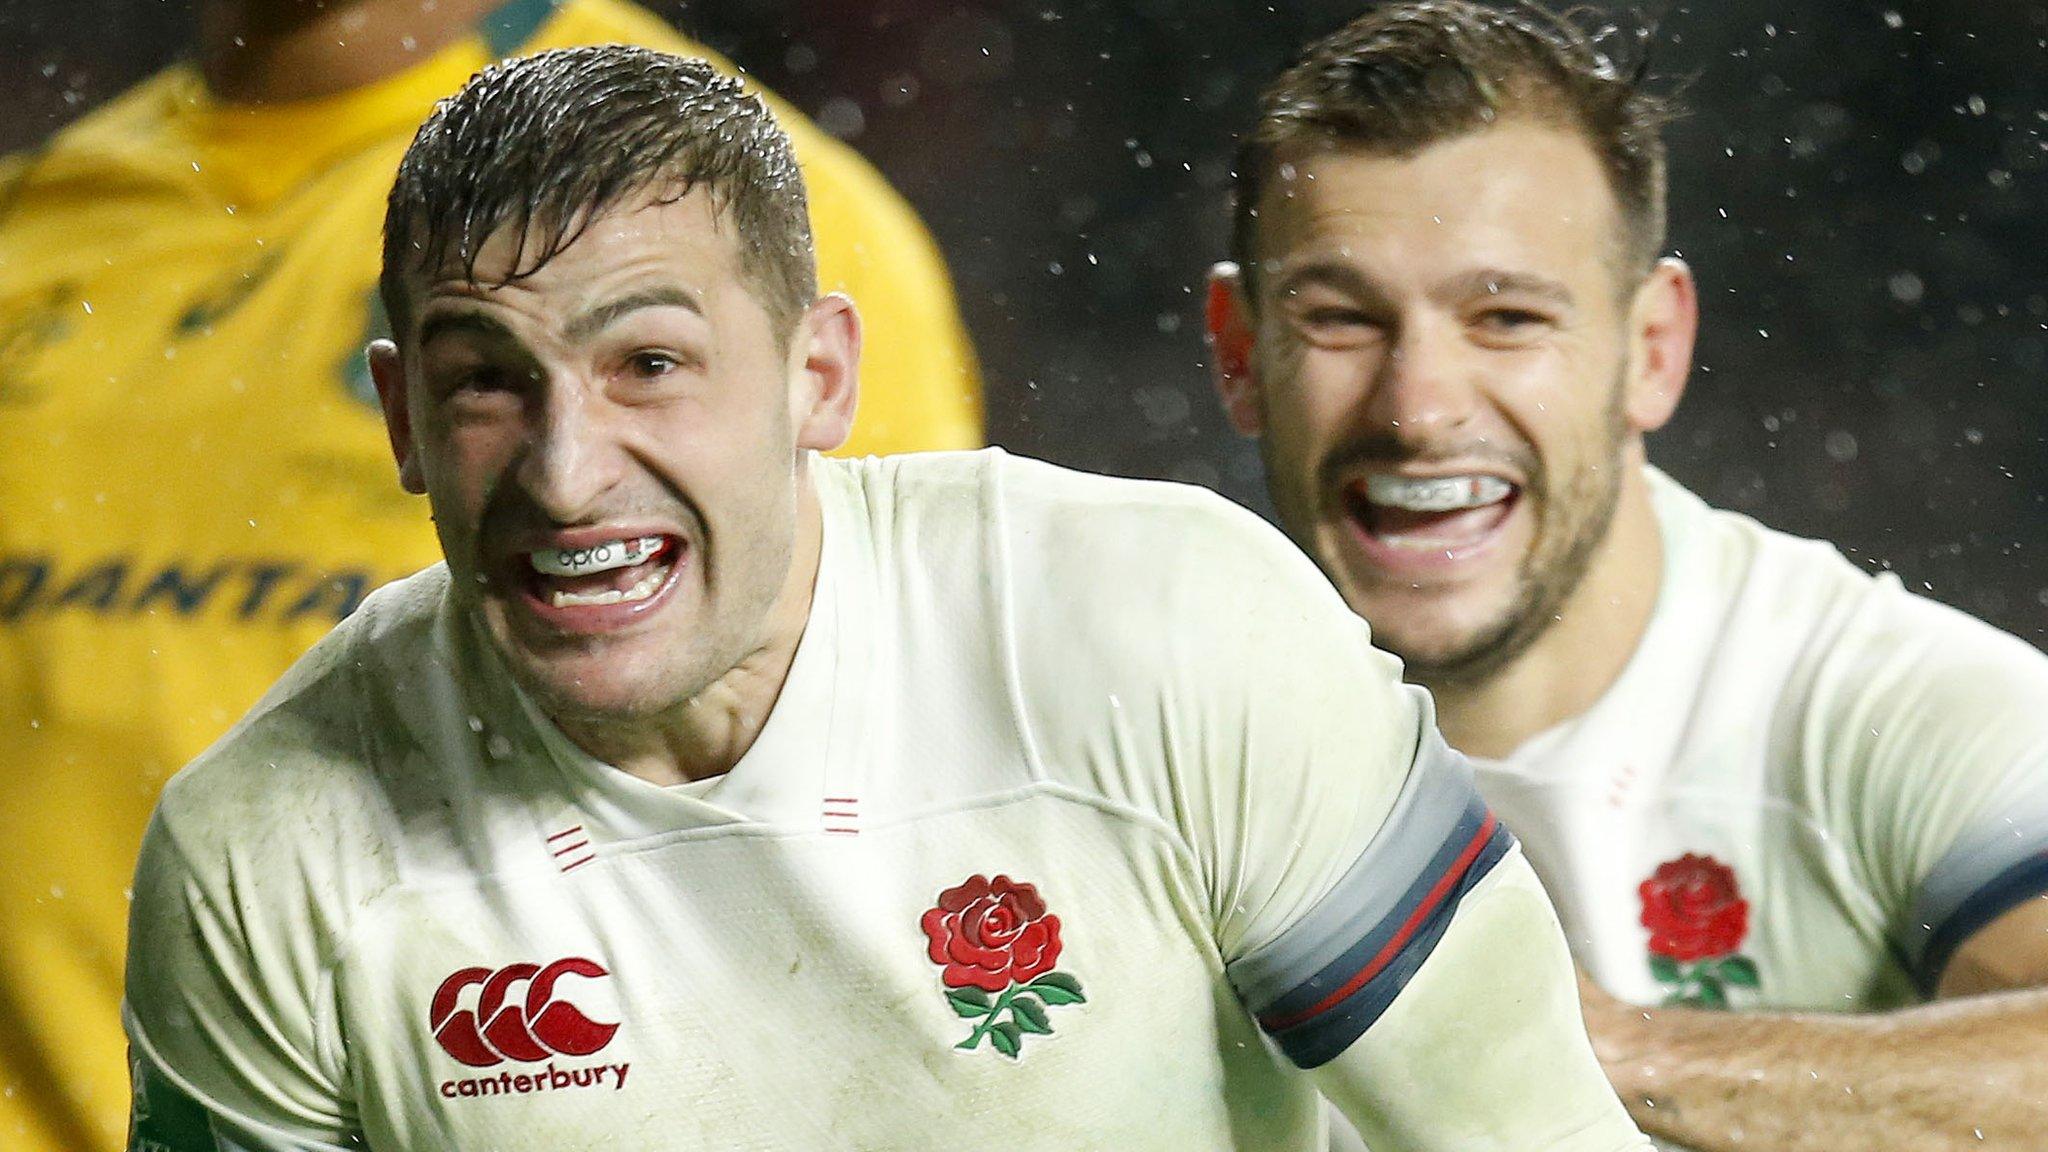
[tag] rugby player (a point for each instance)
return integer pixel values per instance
(718, 794)
(201, 490)
(1795, 810)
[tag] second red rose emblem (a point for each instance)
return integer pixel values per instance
(995, 936)
(1697, 919)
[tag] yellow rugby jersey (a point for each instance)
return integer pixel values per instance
(195, 483)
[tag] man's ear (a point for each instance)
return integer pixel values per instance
(827, 386)
(1227, 316)
(1664, 320)
(387, 370)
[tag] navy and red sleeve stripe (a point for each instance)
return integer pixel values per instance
(1321, 984)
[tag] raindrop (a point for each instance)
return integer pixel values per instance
(1906, 287)
(1976, 105)
(900, 90)
(1893, 19)
(1840, 446)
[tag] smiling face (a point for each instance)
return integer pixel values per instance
(1440, 365)
(613, 450)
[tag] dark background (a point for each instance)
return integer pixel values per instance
(1862, 189)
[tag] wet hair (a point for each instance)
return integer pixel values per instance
(545, 144)
(1413, 73)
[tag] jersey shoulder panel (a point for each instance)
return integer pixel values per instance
(1178, 657)
(251, 882)
(1914, 734)
(297, 776)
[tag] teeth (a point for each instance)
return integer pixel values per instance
(1436, 493)
(596, 558)
(641, 590)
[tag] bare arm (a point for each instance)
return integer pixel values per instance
(1969, 1071)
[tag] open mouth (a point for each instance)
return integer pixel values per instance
(607, 573)
(1440, 515)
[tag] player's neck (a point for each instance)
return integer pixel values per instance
(271, 51)
(706, 735)
(1579, 658)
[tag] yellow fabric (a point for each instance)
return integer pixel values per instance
(195, 485)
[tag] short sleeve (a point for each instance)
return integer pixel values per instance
(1934, 727)
(229, 1000)
(1333, 832)
(1368, 910)
(1326, 974)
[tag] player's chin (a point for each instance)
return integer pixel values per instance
(612, 686)
(1434, 628)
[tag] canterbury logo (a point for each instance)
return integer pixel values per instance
(529, 1029)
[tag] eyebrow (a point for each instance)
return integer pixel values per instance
(1499, 282)
(1465, 285)
(1334, 273)
(438, 324)
(595, 320)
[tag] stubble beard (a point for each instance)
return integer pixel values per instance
(1577, 520)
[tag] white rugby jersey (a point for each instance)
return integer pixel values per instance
(1085, 814)
(1804, 791)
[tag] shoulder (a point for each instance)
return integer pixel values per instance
(1736, 556)
(120, 133)
(1878, 679)
(1864, 635)
(293, 789)
(1102, 551)
(1154, 560)
(1158, 609)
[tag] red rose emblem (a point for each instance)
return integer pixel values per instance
(1694, 909)
(990, 934)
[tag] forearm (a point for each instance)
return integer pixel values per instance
(1952, 1075)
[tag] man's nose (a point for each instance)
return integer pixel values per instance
(572, 455)
(1422, 390)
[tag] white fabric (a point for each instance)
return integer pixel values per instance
(1821, 731)
(1134, 697)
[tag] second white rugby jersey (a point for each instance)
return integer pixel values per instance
(1805, 791)
(1087, 817)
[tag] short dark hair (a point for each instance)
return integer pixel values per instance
(1413, 73)
(545, 144)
